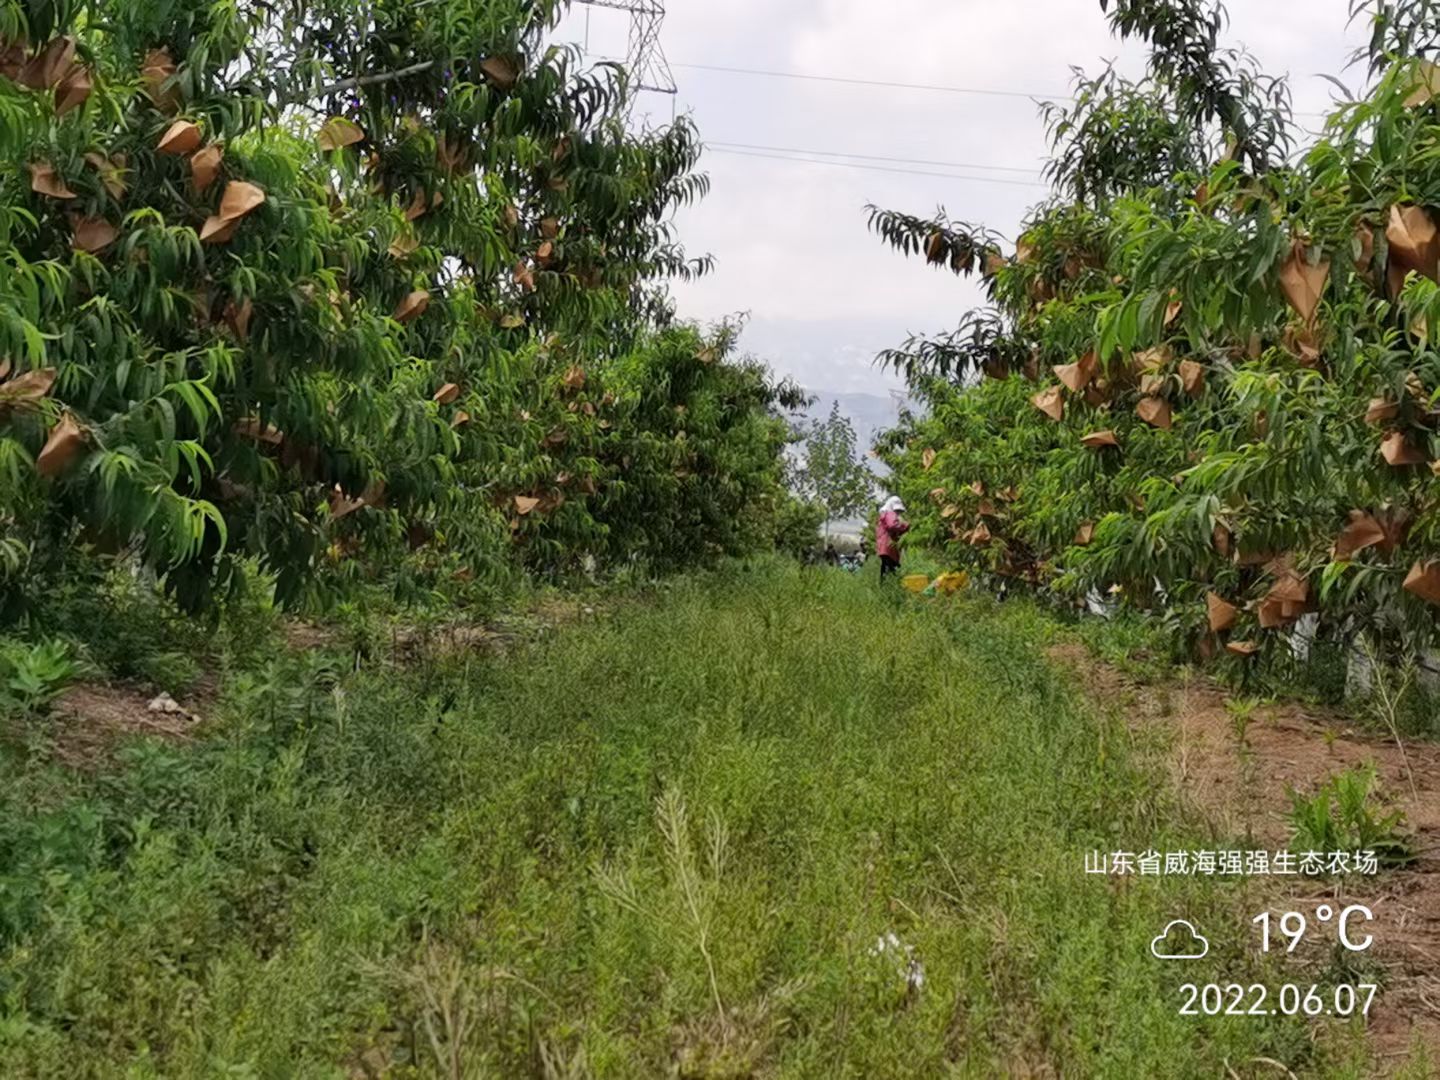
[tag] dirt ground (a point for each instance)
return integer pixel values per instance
(90, 718)
(1244, 789)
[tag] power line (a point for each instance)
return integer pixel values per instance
(881, 168)
(982, 90)
(877, 157)
(875, 82)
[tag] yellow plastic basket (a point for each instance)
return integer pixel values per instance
(951, 582)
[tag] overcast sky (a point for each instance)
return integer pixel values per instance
(790, 238)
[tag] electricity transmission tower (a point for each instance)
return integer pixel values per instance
(645, 59)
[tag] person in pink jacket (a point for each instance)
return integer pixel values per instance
(889, 527)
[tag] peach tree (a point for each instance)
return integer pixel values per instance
(320, 282)
(1205, 383)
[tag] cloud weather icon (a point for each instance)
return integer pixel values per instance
(1179, 941)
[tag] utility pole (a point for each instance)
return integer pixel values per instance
(645, 59)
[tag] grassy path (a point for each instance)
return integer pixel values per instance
(665, 842)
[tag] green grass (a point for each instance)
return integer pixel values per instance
(664, 841)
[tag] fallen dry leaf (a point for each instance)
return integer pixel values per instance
(12, 59)
(1365, 248)
(1097, 440)
(1084, 534)
(1304, 283)
(45, 181)
(447, 394)
(1381, 410)
(111, 172)
(62, 447)
(337, 133)
(1242, 648)
(156, 71)
(1290, 588)
(412, 307)
(1414, 242)
(403, 245)
(1396, 523)
(1398, 452)
(449, 154)
(249, 427)
(240, 198)
(525, 503)
(93, 235)
(238, 318)
(1222, 613)
(1155, 412)
(574, 377)
(1220, 537)
(927, 458)
(1362, 532)
(500, 71)
(1424, 84)
(27, 389)
(341, 505)
(1051, 402)
(48, 66)
(1302, 342)
(1151, 360)
(72, 91)
(1077, 376)
(205, 166)
(419, 206)
(1272, 614)
(181, 137)
(1424, 581)
(1192, 377)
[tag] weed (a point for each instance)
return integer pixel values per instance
(33, 675)
(1342, 815)
(1241, 712)
(400, 865)
(1389, 686)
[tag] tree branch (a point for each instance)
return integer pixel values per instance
(357, 81)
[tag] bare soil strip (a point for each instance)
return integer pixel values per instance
(1243, 788)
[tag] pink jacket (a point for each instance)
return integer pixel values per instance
(888, 529)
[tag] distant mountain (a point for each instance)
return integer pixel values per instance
(870, 414)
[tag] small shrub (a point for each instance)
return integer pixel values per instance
(32, 676)
(1342, 815)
